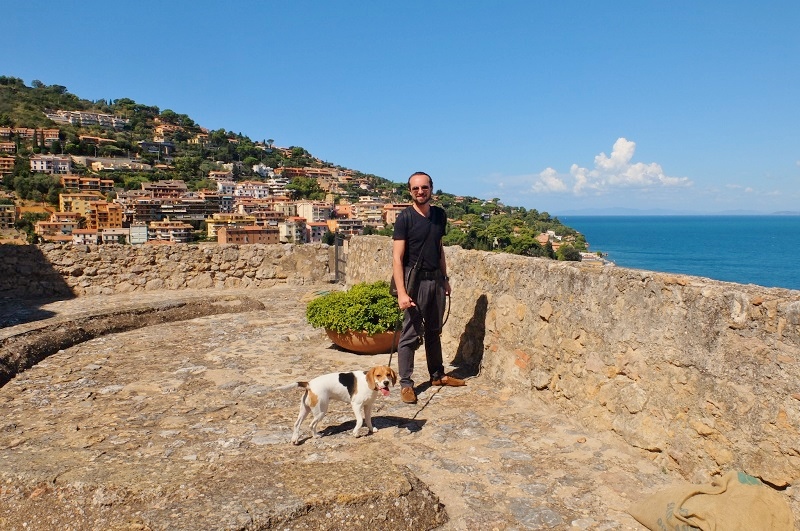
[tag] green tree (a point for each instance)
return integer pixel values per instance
(568, 253)
(548, 249)
(188, 167)
(202, 184)
(169, 116)
(455, 212)
(306, 188)
(525, 245)
(53, 195)
(109, 150)
(134, 182)
(27, 224)
(455, 237)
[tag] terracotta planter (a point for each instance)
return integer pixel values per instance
(362, 342)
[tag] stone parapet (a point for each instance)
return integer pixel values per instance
(60, 269)
(702, 374)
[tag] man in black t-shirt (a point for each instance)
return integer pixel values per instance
(417, 244)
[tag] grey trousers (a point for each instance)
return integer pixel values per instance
(423, 320)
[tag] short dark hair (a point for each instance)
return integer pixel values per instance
(420, 173)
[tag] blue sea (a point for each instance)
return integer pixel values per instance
(762, 250)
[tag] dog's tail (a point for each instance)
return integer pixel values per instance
(296, 385)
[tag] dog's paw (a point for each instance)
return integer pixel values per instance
(356, 434)
(374, 430)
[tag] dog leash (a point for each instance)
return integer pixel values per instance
(394, 341)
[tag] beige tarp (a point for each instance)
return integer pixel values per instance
(732, 502)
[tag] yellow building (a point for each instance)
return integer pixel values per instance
(78, 201)
(230, 220)
(104, 215)
(7, 216)
(169, 231)
(6, 165)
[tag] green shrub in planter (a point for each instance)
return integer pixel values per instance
(365, 307)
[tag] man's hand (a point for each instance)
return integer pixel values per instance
(405, 302)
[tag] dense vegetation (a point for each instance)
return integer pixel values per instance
(484, 225)
(367, 307)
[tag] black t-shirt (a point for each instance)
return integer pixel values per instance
(412, 227)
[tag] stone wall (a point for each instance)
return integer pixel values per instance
(705, 375)
(55, 269)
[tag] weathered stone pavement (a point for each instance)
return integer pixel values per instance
(178, 426)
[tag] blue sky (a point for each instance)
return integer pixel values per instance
(568, 106)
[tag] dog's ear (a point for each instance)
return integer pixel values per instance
(393, 375)
(371, 379)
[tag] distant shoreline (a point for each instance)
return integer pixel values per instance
(757, 249)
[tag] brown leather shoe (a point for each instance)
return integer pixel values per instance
(408, 395)
(449, 381)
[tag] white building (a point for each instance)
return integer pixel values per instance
(138, 233)
(115, 235)
(254, 189)
(85, 236)
(277, 186)
(293, 230)
(53, 164)
(314, 211)
(263, 170)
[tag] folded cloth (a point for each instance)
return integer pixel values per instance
(732, 502)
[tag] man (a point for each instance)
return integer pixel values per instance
(418, 243)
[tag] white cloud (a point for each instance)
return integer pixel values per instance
(610, 172)
(549, 181)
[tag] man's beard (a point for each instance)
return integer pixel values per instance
(426, 199)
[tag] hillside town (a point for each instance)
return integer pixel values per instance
(162, 211)
(166, 211)
(119, 172)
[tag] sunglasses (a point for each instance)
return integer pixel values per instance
(415, 188)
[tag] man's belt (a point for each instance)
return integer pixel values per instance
(428, 275)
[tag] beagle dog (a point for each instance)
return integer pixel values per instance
(358, 387)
